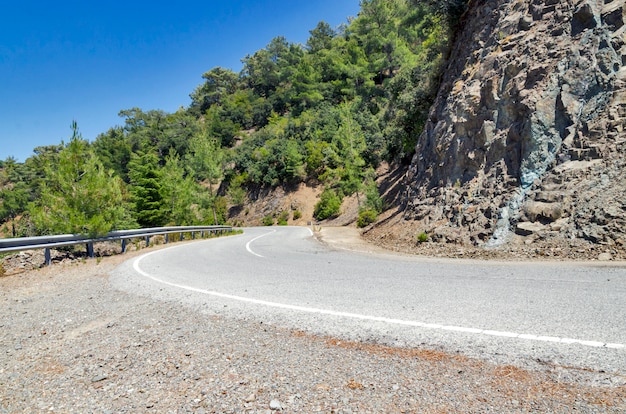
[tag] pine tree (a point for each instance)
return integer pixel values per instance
(78, 195)
(178, 192)
(146, 190)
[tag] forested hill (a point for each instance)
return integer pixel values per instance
(328, 112)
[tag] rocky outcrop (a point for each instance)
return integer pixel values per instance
(528, 133)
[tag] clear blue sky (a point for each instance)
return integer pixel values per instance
(85, 61)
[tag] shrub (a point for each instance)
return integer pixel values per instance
(282, 218)
(297, 215)
(328, 206)
(366, 217)
(422, 237)
(268, 220)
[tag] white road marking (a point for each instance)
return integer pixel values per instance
(478, 331)
(256, 238)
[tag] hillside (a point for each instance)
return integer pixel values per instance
(319, 117)
(524, 149)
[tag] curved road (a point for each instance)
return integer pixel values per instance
(521, 313)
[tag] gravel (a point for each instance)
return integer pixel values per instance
(73, 343)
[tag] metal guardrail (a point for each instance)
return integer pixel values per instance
(47, 242)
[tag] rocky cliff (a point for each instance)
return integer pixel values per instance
(527, 139)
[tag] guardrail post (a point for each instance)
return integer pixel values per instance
(147, 241)
(167, 238)
(193, 235)
(47, 257)
(123, 245)
(90, 249)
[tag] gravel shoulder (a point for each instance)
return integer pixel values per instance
(73, 343)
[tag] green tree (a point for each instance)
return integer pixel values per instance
(345, 166)
(78, 195)
(206, 162)
(159, 131)
(219, 82)
(146, 190)
(305, 86)
(321, 37)
(114, 151)
(178, 191)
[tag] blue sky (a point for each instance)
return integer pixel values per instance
(86, 61)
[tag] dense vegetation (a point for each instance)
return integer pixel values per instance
(330, 111)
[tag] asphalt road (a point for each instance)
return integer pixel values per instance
(551, 314)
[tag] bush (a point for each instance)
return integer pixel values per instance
(282, 218)
(366, 217)
(268, 220)
(297, 215)
(328, 206)
(422, 237)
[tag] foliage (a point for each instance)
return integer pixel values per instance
(78, 195)
(422, 237)
(328, 111)
(219, 82)
(297, 214)
(283, 218)
(179, 192)
(236, 191)
(13, 201)
(220, 207)
(452, 10)
(157, 131)
(146, 190)
(268, 220)
(114, 151)
(205, 158)
(366, 217)
(328, 206)
(373, 200)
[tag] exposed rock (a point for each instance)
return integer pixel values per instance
(528, 127)
(536, 210)
(526, 229)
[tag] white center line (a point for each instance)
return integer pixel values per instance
(256, 238)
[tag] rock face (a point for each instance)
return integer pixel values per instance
(528, 133)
